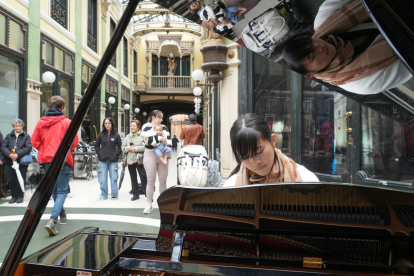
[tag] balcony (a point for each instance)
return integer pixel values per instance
(163, 84)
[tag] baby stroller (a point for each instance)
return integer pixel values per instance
(195, 169)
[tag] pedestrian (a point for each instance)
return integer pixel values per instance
(132, 146)
(175, 142)
(19, 141)
(193, 133)
(47, 135)
(108, 148)
(161, 150)
(152, 164)
(258, 159)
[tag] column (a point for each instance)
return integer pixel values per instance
(229, 108)
(78, 58)
(33, 65)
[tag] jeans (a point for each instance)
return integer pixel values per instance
(60, 192)
(103, 169)
(161, 147)
(12, 179)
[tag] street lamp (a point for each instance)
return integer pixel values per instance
(197, 100)
(197, 75)
(136, 110)
(126, 106)
(144, 113)
(111, 100)
(197, 91)
(48, 77)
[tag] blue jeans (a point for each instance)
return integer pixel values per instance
(103, 169)
(161, 147)
(60, 192)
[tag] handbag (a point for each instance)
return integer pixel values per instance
(195, 174)
(26, 160)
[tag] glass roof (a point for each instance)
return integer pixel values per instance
(145, 18)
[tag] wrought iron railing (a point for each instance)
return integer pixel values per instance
(92, 42)
(59, 13)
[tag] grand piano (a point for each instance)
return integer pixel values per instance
(329, 228)
(289, 229)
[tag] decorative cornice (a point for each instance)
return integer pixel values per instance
(31, 89)
(104, 8)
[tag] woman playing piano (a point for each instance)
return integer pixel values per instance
(259, 161)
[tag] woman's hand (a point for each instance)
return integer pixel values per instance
(131, 148)
(163, 140)
(13, 156)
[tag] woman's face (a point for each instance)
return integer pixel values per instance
(323, 54)
(108, 125)
(18, 127)
(134, 127)
(157, 120)
(263, 161)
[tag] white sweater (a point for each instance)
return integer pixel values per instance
(305, 174)
(394, 75)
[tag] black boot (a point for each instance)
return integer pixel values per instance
(12, 200)
(19, 200)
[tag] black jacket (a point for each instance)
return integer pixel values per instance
(108, 147)
(22, 147)
(1, 142)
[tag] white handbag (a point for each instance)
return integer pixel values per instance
(263, 32)
(195, 174)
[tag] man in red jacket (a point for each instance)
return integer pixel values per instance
(48, 133)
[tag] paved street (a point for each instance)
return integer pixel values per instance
(85, 209)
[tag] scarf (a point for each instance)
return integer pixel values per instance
(345, 67)
(284, 170)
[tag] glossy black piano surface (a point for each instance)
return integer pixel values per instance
(288, 229)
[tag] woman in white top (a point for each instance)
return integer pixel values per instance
(152, 164)
(259, 161)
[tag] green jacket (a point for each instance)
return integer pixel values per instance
(139, 147)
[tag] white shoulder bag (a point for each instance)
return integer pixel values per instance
(194, 174)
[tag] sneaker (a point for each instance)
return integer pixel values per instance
(51, 228)
(114, 198)
(69, 195)
(63, 220)
(134, 198)
(12, 200)
(148, 209)
(19, 200)
(103, 198)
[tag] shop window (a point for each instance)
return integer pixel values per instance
(87, 72)
(3, 27)
(13, 33)
(125, 93)
(57, 57)
(9, 92)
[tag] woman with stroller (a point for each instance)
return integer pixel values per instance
(133, 146)
(259, 161)
(152, 163)
(108, 148)
(18, 141)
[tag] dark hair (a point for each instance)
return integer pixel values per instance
(245, 133)
(295, 50)
(137, 122)
(56, 102)
(193, 118)
(154, 113)
(113, 128)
